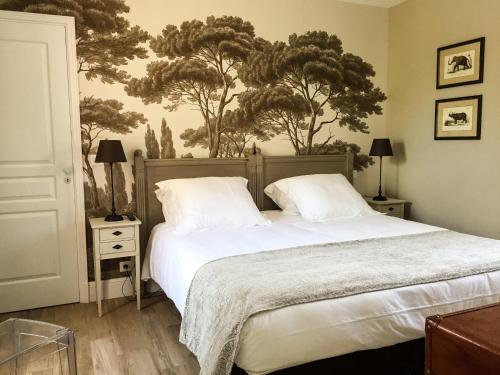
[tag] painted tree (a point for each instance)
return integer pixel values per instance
(167, 143)
(121, 198)
(132, 205)
(339, 147)
(96, 116)
(278, 110)
(104, 38)
(242, 130)
(201, 69)
(152, 146)
(334, 87)
(198, 138)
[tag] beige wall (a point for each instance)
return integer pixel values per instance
(455, 184)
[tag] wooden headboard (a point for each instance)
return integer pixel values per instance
(258, 169)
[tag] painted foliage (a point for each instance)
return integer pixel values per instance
(243, 88)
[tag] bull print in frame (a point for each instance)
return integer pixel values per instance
(460, 64)
(458, 118)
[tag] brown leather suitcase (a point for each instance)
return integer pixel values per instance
(464, 343)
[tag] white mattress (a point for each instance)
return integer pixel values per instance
(303, 333)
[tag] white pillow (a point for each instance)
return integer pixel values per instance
(281, 200)
(165, 208)
(321, 197)
(192, 204)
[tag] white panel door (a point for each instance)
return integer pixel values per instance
(38, 246)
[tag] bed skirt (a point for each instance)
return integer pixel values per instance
(406, 358)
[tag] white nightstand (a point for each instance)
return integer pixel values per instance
(116, 239)
(392, 206)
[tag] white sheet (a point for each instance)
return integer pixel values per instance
(303, 333)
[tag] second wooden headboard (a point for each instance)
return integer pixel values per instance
(258, 169)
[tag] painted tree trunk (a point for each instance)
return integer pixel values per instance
(214, 150)
(310, 135)
(93, 199)
(218, 122)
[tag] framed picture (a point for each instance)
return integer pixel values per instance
(458, 118)
(460, 64)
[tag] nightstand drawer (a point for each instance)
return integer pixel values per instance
(117, 233)
(390, 207)
(117, 247)
(392, 210)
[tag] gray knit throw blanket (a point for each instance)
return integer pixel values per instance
(226, 292)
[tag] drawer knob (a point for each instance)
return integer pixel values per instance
(391, 208)
(117, 247)
(117, 232)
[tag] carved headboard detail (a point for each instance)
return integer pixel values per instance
(258, 169)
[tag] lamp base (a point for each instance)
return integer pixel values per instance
(113, 217)
(379, 198)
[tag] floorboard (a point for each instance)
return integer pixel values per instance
(123, 341)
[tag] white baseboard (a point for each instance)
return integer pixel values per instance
(84, 292)
(112, 288)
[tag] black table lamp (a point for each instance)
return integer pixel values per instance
(381, 147)
(111, 151)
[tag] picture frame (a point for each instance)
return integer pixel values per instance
(458, 118)
(460, 64)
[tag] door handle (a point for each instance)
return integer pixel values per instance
(68, 171)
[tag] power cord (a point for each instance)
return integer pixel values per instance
(128, 276)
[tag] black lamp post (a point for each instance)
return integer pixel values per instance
(111, 151)
(381, 147)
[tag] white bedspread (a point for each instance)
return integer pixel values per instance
(303, 333)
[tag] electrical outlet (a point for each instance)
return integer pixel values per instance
(125, 266)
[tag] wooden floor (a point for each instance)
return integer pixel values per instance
(124, 341)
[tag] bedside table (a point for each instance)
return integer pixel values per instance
(116, 239)
(392, 207)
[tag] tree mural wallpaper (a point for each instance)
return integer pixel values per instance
(229, 84)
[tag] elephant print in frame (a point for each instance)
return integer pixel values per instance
(460, 64)
(458, 118)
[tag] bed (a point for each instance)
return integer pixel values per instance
(300, 333)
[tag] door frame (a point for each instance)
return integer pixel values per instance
(76, 143)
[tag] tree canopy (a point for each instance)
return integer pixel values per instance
(275, 110)
(104, 38)
(327, 85)
(201, 69)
